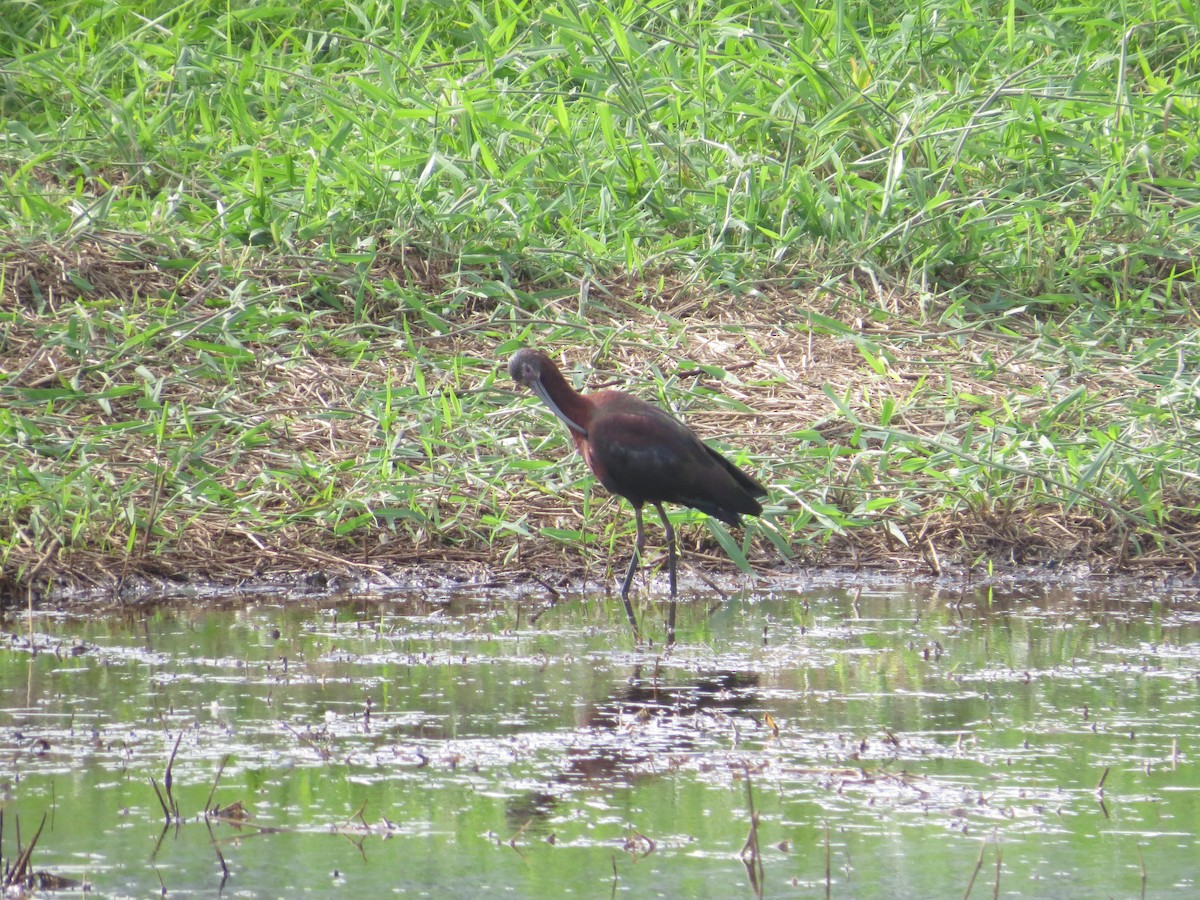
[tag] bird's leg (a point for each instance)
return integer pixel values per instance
(633, 564)
(670, 544)
(671, 567)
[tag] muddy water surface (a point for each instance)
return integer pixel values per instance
(879, 740)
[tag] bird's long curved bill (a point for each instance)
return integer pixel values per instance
(544, 396)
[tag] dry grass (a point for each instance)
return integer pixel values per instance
(265, 454)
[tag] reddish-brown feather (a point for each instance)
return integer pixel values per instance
(639, 451)
(643, 454)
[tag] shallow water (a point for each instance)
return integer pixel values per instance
(888, 739)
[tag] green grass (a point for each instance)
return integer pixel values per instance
(264, 260)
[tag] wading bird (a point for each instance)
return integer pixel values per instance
(643, 454)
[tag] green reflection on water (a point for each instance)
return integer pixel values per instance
(405, 746)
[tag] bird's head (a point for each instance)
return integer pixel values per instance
(526, 366)
(537, 371)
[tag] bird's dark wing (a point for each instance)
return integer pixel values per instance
(644, 454)
(750, 485)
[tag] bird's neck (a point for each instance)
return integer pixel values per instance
(574, 405)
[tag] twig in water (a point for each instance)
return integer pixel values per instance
(167, 779)
(712, 585)
(19, 874)
(208, 804)
(639, 846)
(828, 866)
(358, 814)
(161, 800)
(750, 855)
(550, 589)
(975, 874)
(220, 858)
(512, 841)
